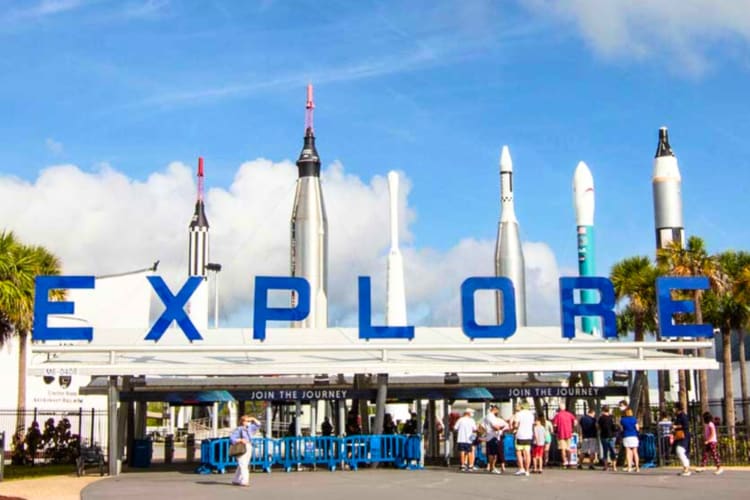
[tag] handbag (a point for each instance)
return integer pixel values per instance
(237, 449)
(679, 435)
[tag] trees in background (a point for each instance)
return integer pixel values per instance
(20, 264)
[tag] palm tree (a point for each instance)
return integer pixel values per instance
(693, 260)
(20, 264)
(634, 281)
(728, 311)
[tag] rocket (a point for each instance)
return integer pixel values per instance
(666, 183)
(583, 201)
(198, 256)
(508, 252)
(395, 304)
(309, 228)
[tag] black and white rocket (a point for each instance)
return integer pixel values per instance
(667, 186)
(198, 257)
(508, 251)
(309, 228)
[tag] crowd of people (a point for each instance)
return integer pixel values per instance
(599, 437)
(533, 436)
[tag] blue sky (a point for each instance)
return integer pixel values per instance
(430, 88)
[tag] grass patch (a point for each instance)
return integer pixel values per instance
(40, 470)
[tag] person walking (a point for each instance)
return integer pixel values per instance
(630, 430)
(466, 429)
(523, 423)
(326, 428)
(549, 429)
(244, 434)
(681, 429)
(710, 444)
(607, 435)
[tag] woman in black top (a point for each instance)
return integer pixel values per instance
(682, 437)
(607, 434)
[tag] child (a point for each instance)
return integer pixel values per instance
(710, 444)
(537, 451)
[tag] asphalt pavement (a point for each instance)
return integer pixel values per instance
(433, 483)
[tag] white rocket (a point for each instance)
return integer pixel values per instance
(667, 183)
(309, 228)
(395, 304)
(198, 257)
(508, 251)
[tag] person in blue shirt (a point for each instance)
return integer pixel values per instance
(244, 434)
(630, 429)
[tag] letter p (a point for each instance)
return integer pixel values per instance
(263, 313)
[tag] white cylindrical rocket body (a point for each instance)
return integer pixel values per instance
(395, 304)
(309, 236)
(667, 188)
(509, 260)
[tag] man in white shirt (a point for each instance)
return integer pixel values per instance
(495, 426)
(523, 423)
(466, 430)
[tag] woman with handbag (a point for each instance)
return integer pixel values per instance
(241, 447)
(682, 438)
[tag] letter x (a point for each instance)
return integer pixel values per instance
(174, 308)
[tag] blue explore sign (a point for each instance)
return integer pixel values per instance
(174, 307)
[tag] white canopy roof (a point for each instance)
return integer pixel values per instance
(289, 351)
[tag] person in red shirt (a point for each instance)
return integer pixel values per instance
(564, 423)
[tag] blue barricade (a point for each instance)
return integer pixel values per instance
(509, 448)
(309, 450)
(380, 448)
(413, 451)
(327, 451)
(647, 450)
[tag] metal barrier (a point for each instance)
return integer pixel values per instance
(327, 451)
(311, 451)
(647, 450)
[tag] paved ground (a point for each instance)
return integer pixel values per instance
(44, 488)
(432, 483)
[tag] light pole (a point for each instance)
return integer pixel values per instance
(212, 266)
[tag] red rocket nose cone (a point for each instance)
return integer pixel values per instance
(200, 166)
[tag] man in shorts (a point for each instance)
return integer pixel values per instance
(494, 425)
(523, 423)
(564, 423)
(590, 444)
(466, 430)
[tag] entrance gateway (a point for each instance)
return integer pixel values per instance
(230, 359)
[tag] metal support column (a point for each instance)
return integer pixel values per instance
(112, 440)
(382, 394)
(269, 420)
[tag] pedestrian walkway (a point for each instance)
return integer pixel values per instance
(435, 483)
(47, 488)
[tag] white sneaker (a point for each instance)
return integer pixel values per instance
(686, 473)
(719, 471)
(527, 473)
(520, 472)
(495, 471)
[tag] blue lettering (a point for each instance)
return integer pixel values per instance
(605, 308)
(262, 313)
(667, 307)
(174, 308)
(43, 307)
(366, 330)
(469, 324)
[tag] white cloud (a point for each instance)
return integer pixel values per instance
(53, 146)
(104, 222)
(681, 33)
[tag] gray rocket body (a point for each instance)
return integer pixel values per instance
(667, 193)
(509, 263)
(309, 233)
(509, 260)
(309, 257)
